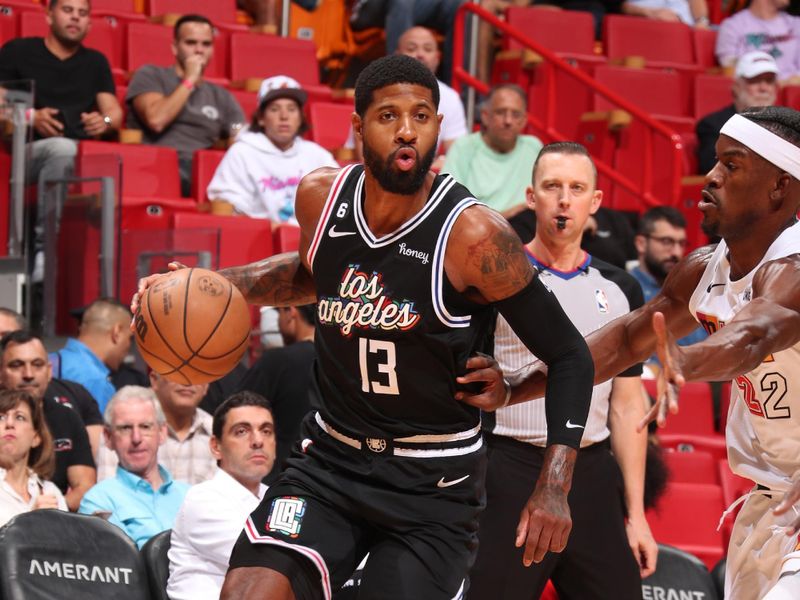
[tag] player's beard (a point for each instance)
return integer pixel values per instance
(393, 180)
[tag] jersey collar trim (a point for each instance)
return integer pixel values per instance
(582, 268)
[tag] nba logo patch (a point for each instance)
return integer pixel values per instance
(602, 301)
(286, 515)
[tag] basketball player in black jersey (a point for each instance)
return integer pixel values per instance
(405, 268)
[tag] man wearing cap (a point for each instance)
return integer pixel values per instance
(260, 173)
(174, 106)
(755, 85)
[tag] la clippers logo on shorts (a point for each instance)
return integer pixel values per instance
(286, 515)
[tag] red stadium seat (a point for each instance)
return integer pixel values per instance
(247, 100)
(733, 485)
(711, 93)
(696, 414)
(151, 44)
(217, 11)
(241, 239)
(705, 41)
(9, 25)
(287, 56)
(13, 7)
(204, 166)
(686, 442)
(330, 123)
(286, 238)
(687, 517)
(791, 96)
(690, 196)
(566, 32)
(692, 467)
(658, 42)
(147, 171)
(724, 405)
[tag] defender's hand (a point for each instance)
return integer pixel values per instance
(670, 378)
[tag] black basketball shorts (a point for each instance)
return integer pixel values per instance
(414, 511)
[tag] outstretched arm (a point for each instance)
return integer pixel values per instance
(284, 279)
(485, 261)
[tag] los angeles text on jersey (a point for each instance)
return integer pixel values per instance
(363, 303)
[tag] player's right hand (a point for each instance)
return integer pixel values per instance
(150, 280)
(544, 524)
(46, 123)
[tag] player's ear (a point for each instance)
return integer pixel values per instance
(597, 200)
(530, 198)
(780, 190)
(355, 121)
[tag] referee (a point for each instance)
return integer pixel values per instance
(610, 548)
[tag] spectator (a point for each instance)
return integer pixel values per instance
(755, 85)
(185, 452)
(70, 394)
(203, 535)
(764, 26)
(494, 164)
(260, 173)
(398, 16)
(11, 320)
(74, 95)
(691, 12)
(268, 12)
(419, 43)
(142, 499)
(283, 375)
(660, 244)
(26, 455)
(104, 339)
(24, 366)
(174, 106)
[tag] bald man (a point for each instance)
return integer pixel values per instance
(420, 43)
(104, 339)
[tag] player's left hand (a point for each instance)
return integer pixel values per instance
(789, 500)
(670, 378)
(483, 369)
(544, 523)
(643, 546)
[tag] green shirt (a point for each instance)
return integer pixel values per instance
(497, 179)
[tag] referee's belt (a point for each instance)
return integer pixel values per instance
(415, 446)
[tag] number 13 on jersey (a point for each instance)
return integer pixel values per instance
(382, 354)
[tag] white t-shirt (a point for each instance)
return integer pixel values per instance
(207, 526)
(12, 504)
(260, 180)
(762, 434)
(454, 123)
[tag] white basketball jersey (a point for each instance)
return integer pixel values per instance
(763, 433)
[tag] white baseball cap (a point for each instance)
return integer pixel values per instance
(754, 64)
(280, 86)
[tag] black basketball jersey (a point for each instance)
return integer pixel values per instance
(392, 333)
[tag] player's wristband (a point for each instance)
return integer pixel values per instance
(508, 393)
(187, 84)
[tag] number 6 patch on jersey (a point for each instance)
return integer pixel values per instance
(286, 515)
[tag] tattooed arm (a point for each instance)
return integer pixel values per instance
(486, 262)
(284, 279)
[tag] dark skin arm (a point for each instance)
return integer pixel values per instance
(623, 342)
(284, 279)
(485, 261)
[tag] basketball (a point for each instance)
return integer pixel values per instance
(193, 326)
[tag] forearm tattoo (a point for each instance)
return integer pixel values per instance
(279, 280)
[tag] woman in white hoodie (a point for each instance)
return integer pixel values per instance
(260, 172)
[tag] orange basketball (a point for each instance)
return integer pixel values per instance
(193, 326)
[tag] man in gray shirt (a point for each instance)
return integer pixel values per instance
(174, 107)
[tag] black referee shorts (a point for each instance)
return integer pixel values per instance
(597, 563)
(417, 518)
